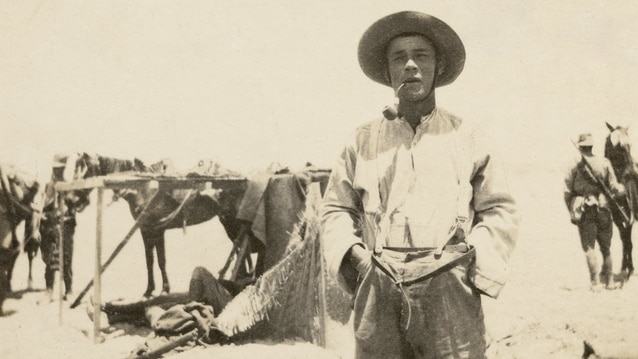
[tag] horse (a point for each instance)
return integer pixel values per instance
(618, 151)
(20, 200)
(169, 209)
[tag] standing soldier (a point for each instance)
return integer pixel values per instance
(49, 230)
(418, 217)
(587, 188)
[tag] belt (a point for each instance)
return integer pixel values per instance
(461, 247)
(438, 266)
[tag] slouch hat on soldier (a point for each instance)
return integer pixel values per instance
(585, 140)
(374, 42)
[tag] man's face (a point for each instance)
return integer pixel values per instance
(411, 63)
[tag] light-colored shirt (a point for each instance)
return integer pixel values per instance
(579, 182)
(421, 182)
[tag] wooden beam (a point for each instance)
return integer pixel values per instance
(162, 183)
(92, 182)
(134, 183)
(97, 290)
(201, 183)
(183, 184)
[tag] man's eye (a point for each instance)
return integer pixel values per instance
(398, 59)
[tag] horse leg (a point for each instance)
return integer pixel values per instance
(3, 286)
(7, 258)
(627, 247)
(12, 264)
(48, 253)
(49, 280)
(149, 243)
(32, 247)
(30, 255)
(161, 261)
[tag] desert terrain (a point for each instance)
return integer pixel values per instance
(546, 310)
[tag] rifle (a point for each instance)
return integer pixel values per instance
(590, 172)
(177, 342)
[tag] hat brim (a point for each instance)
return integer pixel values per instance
(374, 42)
(59, 160)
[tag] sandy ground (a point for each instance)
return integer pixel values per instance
(545, 311)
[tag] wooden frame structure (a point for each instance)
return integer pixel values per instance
(159, 183)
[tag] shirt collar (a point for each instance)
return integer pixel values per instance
(425, 118)
(429, 116)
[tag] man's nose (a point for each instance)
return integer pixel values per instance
(410, 65)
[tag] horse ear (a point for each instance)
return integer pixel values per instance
(610, 127)
(69, 167)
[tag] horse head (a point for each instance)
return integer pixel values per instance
(69, 167)
(25, 192)
(619, 135)
(87, 165)
(26, 199)
(618, 149)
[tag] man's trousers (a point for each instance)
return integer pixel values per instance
(436, 318)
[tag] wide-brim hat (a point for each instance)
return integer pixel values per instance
(59, 160)
(585, 139)
(374, 42)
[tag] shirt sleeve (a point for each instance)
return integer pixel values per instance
(568, 188)
(340, 214)
(496, 221)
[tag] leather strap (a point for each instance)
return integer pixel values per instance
(435, 270)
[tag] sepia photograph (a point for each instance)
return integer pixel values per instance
(336, 179)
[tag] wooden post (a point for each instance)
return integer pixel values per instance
(97, 290)
(243, 241)
(116, 251)
(313, 205)
(234, 253)
(59, 210)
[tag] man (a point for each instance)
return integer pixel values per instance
(161, 312)
(418, 218)
(49, 229)
(589, 207)
(175, 315)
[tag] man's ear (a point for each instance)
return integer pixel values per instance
(440, 66)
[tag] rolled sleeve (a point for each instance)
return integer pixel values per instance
(340, 215)
(496, 222)
(568, 188)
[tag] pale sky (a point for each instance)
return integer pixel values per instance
(252, 82)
